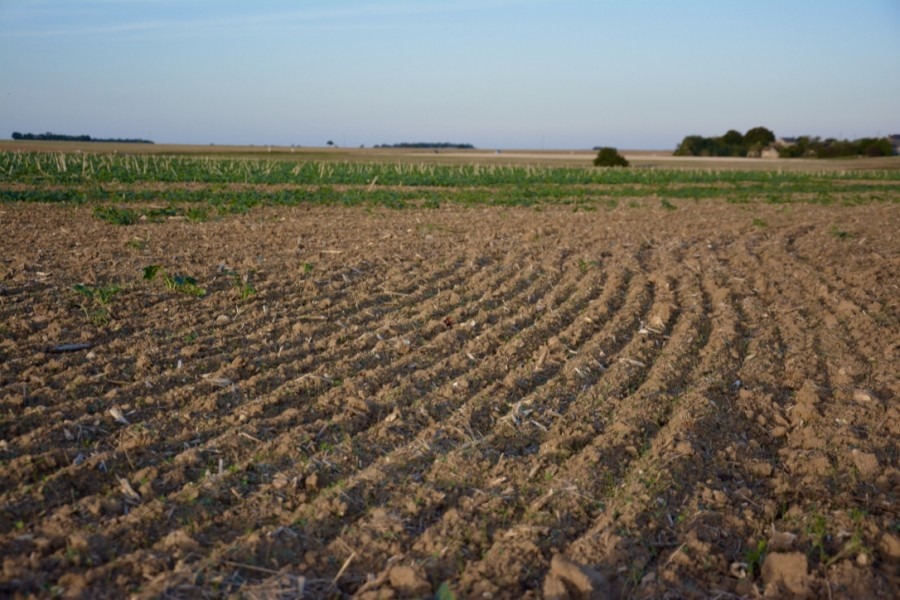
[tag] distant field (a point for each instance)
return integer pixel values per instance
(387, 374)
(638, 158)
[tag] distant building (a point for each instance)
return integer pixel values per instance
(894, 138)
(767, 152)
(786, 141)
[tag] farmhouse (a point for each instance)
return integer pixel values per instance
(767, 152)
(894, 138)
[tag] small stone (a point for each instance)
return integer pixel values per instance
(864, 397)
(808, 393)
(781, 541)
(761, 468)
(786, 574)
(580, 581)
(889, 547)
(555, 589)
(866, 462)
(409, 581)
(222, 320)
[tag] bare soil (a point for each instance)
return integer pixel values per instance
(500, 403)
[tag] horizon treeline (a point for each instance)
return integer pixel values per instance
(733, 143)
(436, 145)
(59, 137)
(816, 147)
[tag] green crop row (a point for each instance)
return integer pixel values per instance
(200, 203)
(67, 169)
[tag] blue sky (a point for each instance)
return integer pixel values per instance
(635, 74)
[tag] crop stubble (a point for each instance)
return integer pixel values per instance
(467, 392)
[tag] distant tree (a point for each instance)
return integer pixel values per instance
(759, 136)
(329, 143)
(733, 137)
(49, 136)
(692, 145)
(875, 147)
(610, 157)
(427, 145)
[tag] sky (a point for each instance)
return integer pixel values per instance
(539, 74)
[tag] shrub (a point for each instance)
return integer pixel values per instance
(610, 157)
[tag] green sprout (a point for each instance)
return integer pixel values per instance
(96, 301)
(177, 283)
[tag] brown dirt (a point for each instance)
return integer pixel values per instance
(509, 402)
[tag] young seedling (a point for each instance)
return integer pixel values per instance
(177, 283)
(96, 301)
(840, 233)
(242, 284)
(755, 556)
(117, 216)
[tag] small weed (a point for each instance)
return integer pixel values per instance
(96, 301)
(818, 531)
(667, 205)
(197, 214)
(584, 265)
(307, 268)
(840, 233)
(754, 557)
(242, 285)
(136, 244)
(117, 216)
(759, 223)
(444, 592)
(177, 283)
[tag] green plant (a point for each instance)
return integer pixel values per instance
(667, 205)
(444, 592)
(307, 268)
(755, 556)
(759, 223)
(178, 283)
(610, 157)
(117, 216)
(840, 233)
(242, 285)
(96, 301)
(817, 530)
(584, 265)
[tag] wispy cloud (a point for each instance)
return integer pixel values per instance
(95, 17)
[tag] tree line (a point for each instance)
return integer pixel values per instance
(806, 146)
(59, 137)
(436, 145)
(733, 143)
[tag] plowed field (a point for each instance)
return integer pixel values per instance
(470, 402)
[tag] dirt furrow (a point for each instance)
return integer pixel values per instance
(277, 445)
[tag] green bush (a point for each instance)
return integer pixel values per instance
(610, 157)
